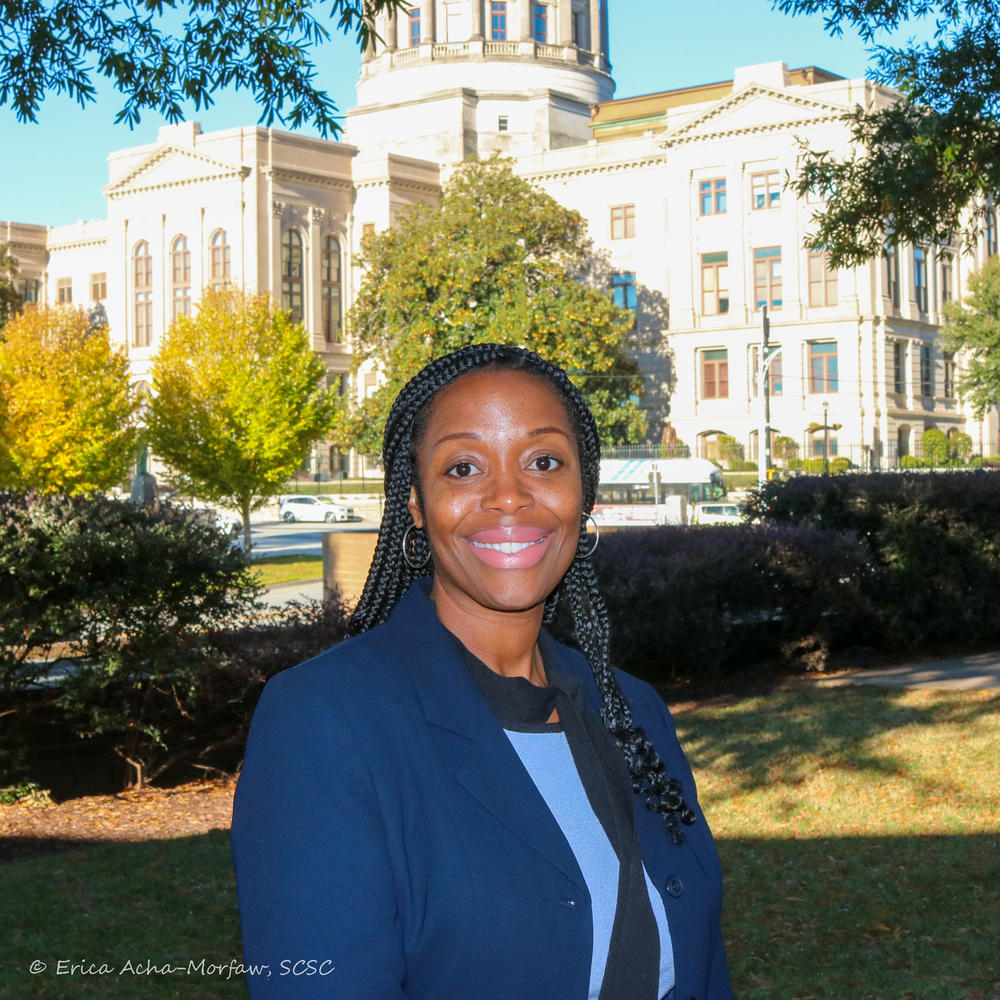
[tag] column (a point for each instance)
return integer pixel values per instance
(476, 31)
(564, 34)
(526, 33)
(392, 32)
(429, 21)
(595, 30)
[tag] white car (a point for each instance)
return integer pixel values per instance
(313, 508)
(719, 512)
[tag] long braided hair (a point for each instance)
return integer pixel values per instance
(390, 575)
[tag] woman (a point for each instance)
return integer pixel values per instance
(442, 807)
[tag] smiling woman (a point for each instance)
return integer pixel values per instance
(452, 804)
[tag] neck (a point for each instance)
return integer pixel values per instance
(506, 641)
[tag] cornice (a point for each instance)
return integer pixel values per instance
(81, 244)
(619, 166)
(308, 177)
(417, 187)
(219, 171)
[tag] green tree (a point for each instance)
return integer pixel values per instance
(974, 329)
(67, 417)
(935, 447)
(160, 54)
(10, 298)
(238, 400)
(784, 448)
(921, 163)
(498, 260)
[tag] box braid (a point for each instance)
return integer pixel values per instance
(389, 575)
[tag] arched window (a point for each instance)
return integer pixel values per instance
(220, 271)
(330, 271)
(180, 278)
(142, 291)
(291, 273)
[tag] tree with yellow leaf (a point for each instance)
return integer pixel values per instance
(67, 416)
(498, 260)
(239, 398)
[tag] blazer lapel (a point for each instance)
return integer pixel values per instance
(471, 741)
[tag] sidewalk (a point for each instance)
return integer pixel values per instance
(962, 673)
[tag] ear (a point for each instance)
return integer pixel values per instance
(414, 507)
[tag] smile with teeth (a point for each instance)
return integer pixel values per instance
(508, 548)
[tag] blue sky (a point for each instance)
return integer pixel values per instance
(52, 172)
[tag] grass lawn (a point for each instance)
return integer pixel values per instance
(273, 570)
(859, 830)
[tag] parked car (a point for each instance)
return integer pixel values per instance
(719, 512)
(312, 508)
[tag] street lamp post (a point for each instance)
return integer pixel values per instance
(764, 387)
(826, 438)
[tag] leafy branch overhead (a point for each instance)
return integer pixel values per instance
(922, 162)
(497, 260)
(161, 54)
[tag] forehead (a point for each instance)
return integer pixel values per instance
(483, 400)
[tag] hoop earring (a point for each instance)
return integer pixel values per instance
(411, 552)
(583, 530)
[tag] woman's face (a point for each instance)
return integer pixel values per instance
(501, 495)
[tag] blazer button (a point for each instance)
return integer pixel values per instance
(567, 901)
(675, 887)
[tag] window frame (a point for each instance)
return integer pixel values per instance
(331, 290)
(413, 27)
(64, 291)
(180, 277)
(920, 282)
(891, 257)
(99, 286)
(623, 290)
(767, 275)
(769, 180)
(827, 380)
(220, 263)
(826, 285)
(714, 190)
(622, 224)
(926, 371)
(292, 283)
(720, 289)
(498, 20)
(899, 366)
(142, 294)
(713, 365)
(540, 19)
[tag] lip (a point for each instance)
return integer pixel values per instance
(525, 546)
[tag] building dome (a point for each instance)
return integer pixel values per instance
(515, 76)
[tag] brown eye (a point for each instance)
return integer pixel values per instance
(545, 463)
(461, 470)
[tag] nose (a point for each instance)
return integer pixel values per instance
(507, 491)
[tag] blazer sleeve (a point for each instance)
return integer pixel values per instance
(316, 900)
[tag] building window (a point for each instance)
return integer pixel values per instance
(818, 442)
(622, 222)
(540, 23)
(823, 367)
(498, 22)
(947, 277)
(991, 230)
(773, 375)
(330, 271)
(892, 273)
(948, 364)
(142, 290)
(503, 123)
(822, 281)
(767, 277)
(64, 291)
(715, 374)
(221, 268)
(99, 286)
(623, 289)
(180, 278)
(926, 371)
(765, 190)
(28, 288)
(899, 366)
(367, 232)
(580, 28)
(712, 196)
(920, 278)
(715, 283)
(414, 17)
(291, 273)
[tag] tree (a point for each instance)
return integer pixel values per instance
(974, 329)
(498, 260)
(784, 448)
(10, 299)
(922, 163)
(160, 54)
(238, 400)
(67, 416)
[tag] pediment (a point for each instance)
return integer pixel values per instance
(172, 166)
(755, 108)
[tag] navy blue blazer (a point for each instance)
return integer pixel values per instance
(389, 843)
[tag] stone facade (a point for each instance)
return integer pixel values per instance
(683, 192)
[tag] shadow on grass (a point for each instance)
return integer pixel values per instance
(779, 738)
(870, 918)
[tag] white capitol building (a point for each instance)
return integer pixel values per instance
(682, 190)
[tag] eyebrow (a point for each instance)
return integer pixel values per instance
(456, 435)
